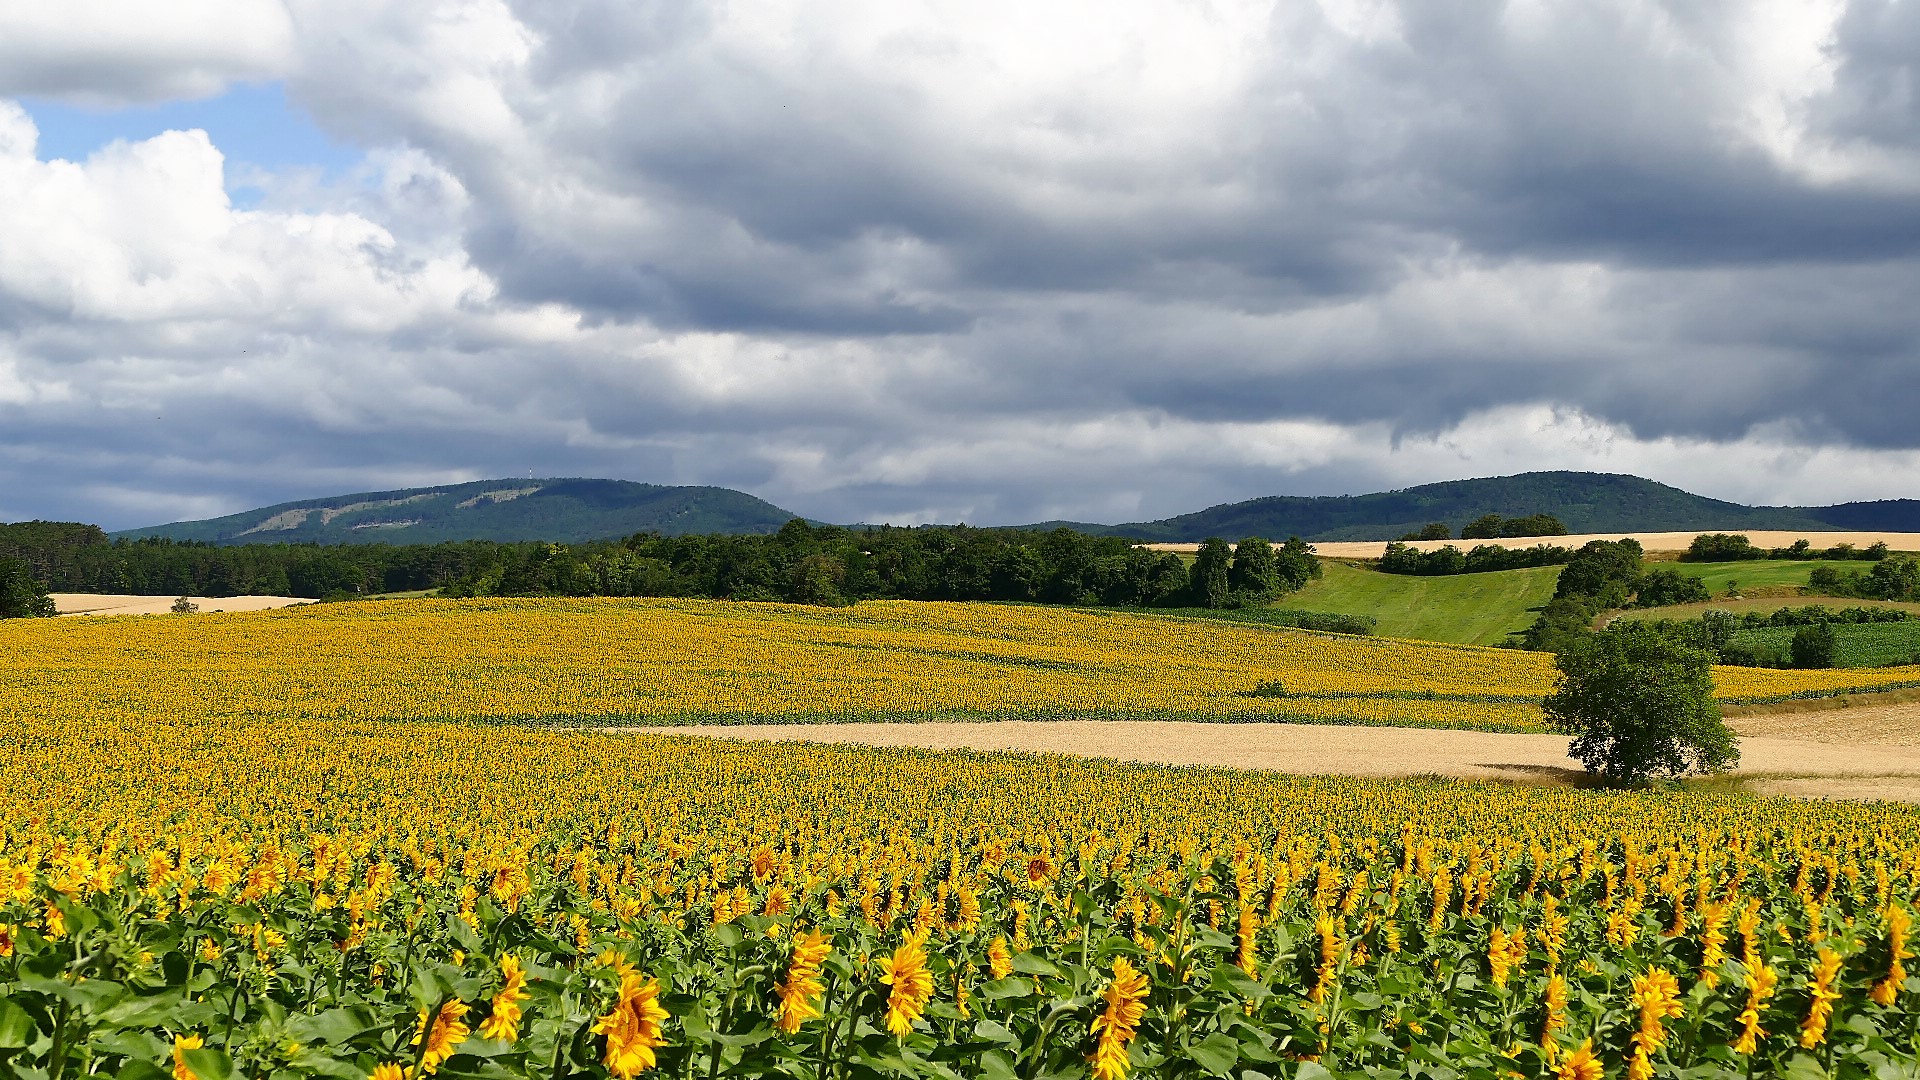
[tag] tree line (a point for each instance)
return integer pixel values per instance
(800, 563)
(1400, 558)
(1738, 547)
(810, 564)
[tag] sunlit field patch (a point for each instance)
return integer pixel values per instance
(688, 661)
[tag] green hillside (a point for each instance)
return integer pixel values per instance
(1586, 502)
(563, 511)
(1467, 609)
(1755, 574)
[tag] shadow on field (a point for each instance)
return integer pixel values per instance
(1548, 775)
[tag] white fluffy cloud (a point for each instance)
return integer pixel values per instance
(998, 261)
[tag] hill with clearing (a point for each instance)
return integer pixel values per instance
(562, 511)
(1585, 502)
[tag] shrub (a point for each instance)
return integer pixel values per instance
(1666, 586)
(1639, 704)
(1813, 646)
(21, 595)
(184, 606)
(1721, 547)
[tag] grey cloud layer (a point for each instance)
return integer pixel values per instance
(1017, 261)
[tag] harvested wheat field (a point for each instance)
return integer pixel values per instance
(116, 604)
(1865, 752)
(1651, 541)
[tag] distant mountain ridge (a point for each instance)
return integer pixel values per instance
(569, 510)
(578, 510)
(1586, 502)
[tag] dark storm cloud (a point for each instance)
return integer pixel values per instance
(1107, 261)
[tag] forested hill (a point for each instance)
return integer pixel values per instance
(561, 511)
(1585, 502)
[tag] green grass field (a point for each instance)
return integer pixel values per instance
(1760, 604)
(1758, 573)
(1859, 645)
(1466, 609)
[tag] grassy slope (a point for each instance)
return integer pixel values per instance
(1759, 573)
(1468, 609)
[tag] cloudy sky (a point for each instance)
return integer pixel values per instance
(985, 261)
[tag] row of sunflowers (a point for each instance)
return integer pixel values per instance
(195, 897)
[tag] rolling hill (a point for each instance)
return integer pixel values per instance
(563, 511)
(574, 510)
(1586, 502)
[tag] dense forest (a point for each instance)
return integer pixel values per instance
(1579, 502)
(801, 563)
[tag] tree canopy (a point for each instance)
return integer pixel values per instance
(1639, 705)
(21, 594)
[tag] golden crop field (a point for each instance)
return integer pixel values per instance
(254, 846)
(237, 897)
(613, 661)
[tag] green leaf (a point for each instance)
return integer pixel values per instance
(994, 1031)
(1027, 963)
(143, 1070)
(16, 1026)
(335, 1026)
(996, 1065)
(1231, 979)
(464, 936)
(1312, 1070)
(1804, 1067)
(129, 1044)
(153, 1011)
(209, 1064)
(1217, 1053)
(1000, 989)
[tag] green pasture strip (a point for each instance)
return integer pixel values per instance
(1761, 573)
(1281, 615)
(1761, 604)
(1461, 609)
(1857, 645)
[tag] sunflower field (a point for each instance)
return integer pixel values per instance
(341, 842)
(613, 661)
(385, 899)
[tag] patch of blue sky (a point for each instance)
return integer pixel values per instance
(254, 125)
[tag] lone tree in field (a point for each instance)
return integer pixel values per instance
(1639, 705)
(21, 597)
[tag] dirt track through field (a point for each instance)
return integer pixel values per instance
(1858, 753)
